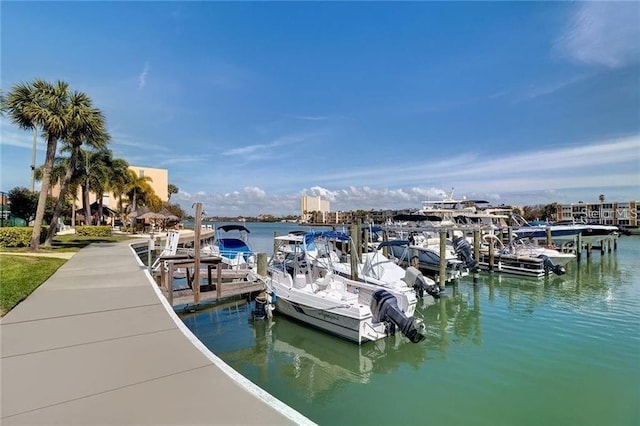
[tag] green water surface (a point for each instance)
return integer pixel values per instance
(505, 351)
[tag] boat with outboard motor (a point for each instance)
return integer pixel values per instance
(332, 250)
(231, 244)
(316, 295)
(522, 257)
(423, 250)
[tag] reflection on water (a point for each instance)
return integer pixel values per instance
(505, 338)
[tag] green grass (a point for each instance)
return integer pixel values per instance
(70, 243)
(21, 275)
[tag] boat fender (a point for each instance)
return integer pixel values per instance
(384, 308)
(549, 266)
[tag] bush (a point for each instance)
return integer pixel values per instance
(93, 231)
(19, 236)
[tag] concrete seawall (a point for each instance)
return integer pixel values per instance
(98, 344)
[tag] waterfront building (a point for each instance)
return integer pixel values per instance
(339, 217)
(623, 214)
(158, 181)
(314, 209)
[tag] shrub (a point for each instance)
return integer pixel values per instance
(93, 231)
(19, 236)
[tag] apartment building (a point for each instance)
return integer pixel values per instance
(623, 214)
(314, 209)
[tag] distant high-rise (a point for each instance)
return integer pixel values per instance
(314, 209)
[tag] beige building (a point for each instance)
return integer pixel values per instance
(624, 214)
(314, 208)
(159, 182)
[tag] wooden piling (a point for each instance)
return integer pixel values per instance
(170, 283)
(262, 264)
(354, 251)
(476, 245)
(548, 234)
(476, 252)
(219, 281)
(365, 242)
(196, 253)
(491, 254)
(578, 247)
(151, 248)
(443, 258)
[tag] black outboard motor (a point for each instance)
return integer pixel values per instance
(549, 266)
(385, 309)
(414, 278)
(463, 250)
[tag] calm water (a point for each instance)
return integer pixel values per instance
(507, 351)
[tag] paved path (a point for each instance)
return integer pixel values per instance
(98, 344)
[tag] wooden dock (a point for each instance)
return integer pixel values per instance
(214, 282)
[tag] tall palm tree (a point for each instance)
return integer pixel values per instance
(172, 189)
(93, 166)
(138, 189)
(46, 107)
(119, 178)
(92, 132)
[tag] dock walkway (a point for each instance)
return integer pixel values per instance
(98, 344)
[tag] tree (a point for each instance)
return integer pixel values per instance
(49, 108)
(172, 189)
(119, 178)
(94, 170)
(23, 203)
(92, 132)
(138, 189)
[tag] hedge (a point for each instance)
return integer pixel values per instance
(94, 231)
(19, 236)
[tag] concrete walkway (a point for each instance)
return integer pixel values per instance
(98, 344)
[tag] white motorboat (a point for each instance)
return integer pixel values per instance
(319, 297)
(521, 256)
(231, 244)
(373, 267)
(420, 247)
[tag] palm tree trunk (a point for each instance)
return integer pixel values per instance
(100, 211)
(88, 219)
(44, 190)
(64, 188)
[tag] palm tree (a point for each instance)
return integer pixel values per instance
(94, 168)
(91, 132)
(119, 178)
(48, 108)
(138, 189)
(171, 189)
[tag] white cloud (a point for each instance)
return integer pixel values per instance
(525, 177)
(13, 136)
(603, 33)
(250, 149)
(142, 78)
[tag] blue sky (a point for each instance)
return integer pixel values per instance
(372, 105)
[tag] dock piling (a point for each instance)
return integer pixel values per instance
(443, 258)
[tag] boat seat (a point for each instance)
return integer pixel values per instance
(300, 281)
